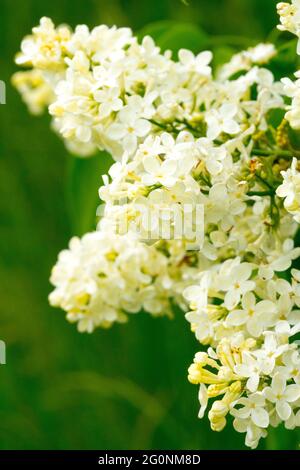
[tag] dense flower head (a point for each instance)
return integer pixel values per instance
(200, 209)
(250, 316)
(289, 16)
(34, 89)
(290, 190)
(290, 21)
(245, 60)
(103, 278)
(255, 382)
(107, 86)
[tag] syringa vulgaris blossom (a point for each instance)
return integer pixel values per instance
(184, 137)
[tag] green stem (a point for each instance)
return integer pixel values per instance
(260, 193)
(158, 124)
(188, 126)
(265, 183)
(275, 153)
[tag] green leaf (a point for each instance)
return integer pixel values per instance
(294, 138)
(222, 55)
(275, 116)
(84, 180)
(286, 62)
(174, 36)
(156, 29)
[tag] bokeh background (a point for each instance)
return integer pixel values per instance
(124, 388)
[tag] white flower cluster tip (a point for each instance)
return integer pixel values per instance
(183, 139)
(104, 277)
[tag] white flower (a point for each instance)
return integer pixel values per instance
(270, 350)
(255, 315)
(261, 54)
(157, 171)
(216, 158)
(203, 400)
(44, 48)
(204, 330)
(235, 282)
(282, 395)
(103, 276)
(34, 89)
(222, 120)
(290, 18)
(243, 61)
(253, 433)
(109, 100)
(197, 295)
(291, 366)
(290, 190)
(252, 368)
(199, 63)
(128, 128)
(293, 421)
(253, 407)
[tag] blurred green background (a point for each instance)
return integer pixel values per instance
(118, 389)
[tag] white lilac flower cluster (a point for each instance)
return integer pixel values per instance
(290, 17)
(107, 87)
(104, 277)
(247, 314)
(290, 189)
(200, 209)
(245, 60)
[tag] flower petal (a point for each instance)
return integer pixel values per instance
(260, 417)
(283, 410)
(292, 393)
